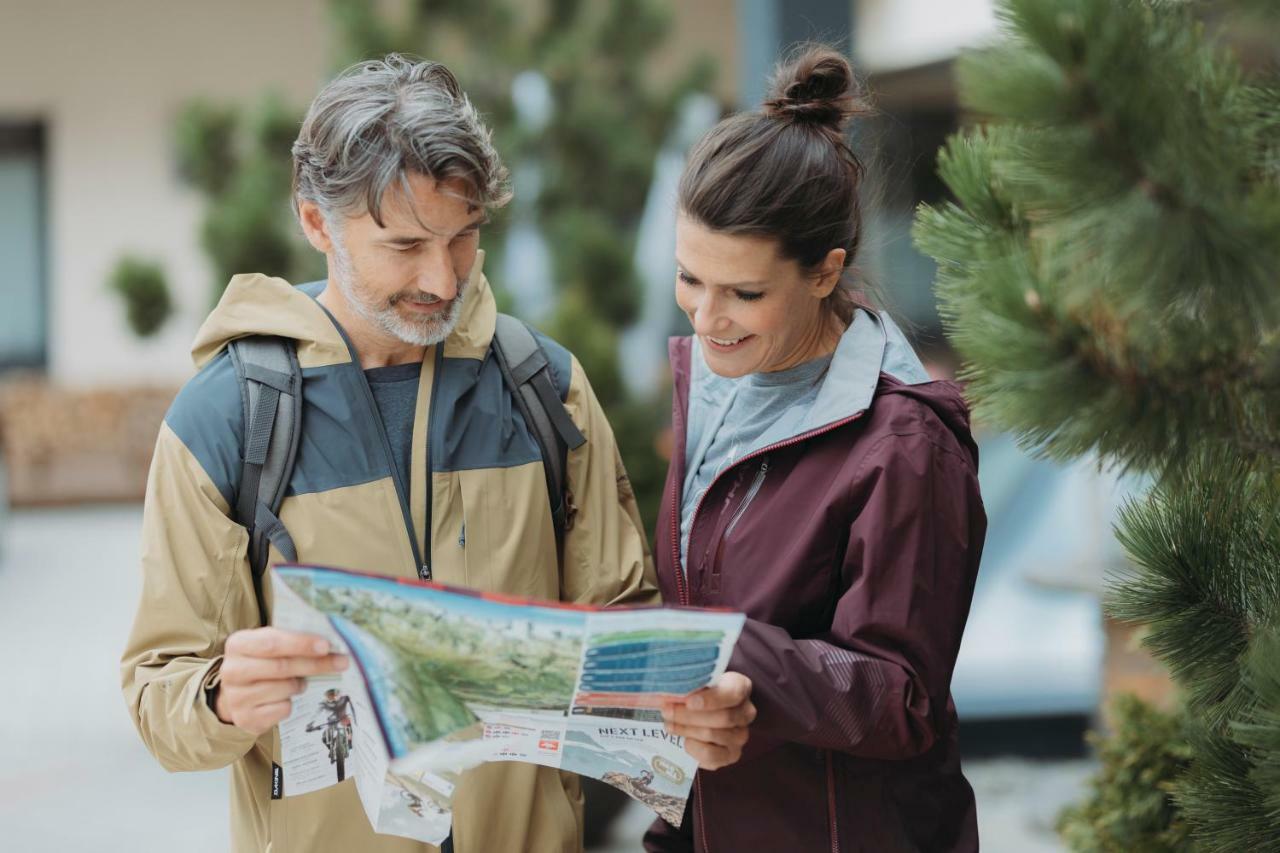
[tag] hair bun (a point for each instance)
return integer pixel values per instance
(814, 86)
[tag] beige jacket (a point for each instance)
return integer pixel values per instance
(490, 528)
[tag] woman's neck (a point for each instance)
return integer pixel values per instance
(822, 338)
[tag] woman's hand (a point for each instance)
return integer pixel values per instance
(714, 721)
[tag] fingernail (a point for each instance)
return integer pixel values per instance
(341, 661)
(695, 703)
(321, 647)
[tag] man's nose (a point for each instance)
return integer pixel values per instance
(436, 276)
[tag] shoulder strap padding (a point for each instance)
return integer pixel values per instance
(271, 394)
(527, 372)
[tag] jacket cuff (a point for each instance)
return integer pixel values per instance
(205, 686)
(210, 682)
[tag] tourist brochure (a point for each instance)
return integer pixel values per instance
(443, 679)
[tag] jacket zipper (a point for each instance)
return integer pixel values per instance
(682, 592)
(424, 561)
(702, 824)
(402, 493)
(831, 803)
(681, 588)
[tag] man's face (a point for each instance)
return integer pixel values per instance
(407, 279)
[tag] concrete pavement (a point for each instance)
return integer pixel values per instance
(74, 775)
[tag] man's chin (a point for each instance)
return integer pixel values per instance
(422, 331)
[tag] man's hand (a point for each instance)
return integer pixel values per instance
(263, 669)
(714, 721)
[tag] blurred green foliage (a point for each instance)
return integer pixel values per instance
(594, 154)
(240, 162)
(145, 292)
(1132, 809)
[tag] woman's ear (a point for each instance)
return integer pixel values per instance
(829, 272)
(315, 227)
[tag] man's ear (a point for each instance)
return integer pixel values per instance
(315, 227)
(829, 272)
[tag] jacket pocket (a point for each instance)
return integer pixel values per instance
(752, 491)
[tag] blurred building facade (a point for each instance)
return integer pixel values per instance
(89, 93)
(88, 97)
(88, 173)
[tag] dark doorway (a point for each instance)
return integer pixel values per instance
(23, 285)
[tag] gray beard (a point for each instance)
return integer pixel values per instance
(419, 331)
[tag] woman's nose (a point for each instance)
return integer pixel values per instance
(708, 318)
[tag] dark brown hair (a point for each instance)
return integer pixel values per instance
(787, 171)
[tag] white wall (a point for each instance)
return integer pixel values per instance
(896, 34)
(107, 78)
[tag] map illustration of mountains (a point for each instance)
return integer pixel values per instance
(628, 771)
(451, 678)
(429, 654)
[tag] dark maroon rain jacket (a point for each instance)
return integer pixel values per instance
(853, 548)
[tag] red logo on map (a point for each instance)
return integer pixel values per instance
(549, 745)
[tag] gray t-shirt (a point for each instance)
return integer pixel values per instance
(731, 418)
(395, 391)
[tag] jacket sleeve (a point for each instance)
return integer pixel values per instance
(195, 579)
(662, 837)
(877, 684)
(606, 555)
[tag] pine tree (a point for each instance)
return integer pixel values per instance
(1110, 273)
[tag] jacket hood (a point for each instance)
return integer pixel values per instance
(873, 357)
(256, 304)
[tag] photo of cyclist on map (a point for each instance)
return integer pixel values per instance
(336, 728)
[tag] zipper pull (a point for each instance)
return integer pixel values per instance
(424, 572)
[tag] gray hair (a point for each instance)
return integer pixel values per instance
(383, 119)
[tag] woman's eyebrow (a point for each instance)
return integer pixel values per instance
(684, 269)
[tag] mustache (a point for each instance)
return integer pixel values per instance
(426, 298)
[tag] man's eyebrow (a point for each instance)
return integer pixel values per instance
(408, 239)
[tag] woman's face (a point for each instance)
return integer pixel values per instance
(753, 310)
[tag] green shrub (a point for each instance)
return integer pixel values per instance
(145, 291)
(1131, 808)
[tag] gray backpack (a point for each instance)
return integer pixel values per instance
(271, 395)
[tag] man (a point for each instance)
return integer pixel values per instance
(413, 460)
(335, 709)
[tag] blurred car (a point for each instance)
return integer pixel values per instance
(1034, 644)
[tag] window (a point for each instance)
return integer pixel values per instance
(23, 306)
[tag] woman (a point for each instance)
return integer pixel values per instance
(824, 486)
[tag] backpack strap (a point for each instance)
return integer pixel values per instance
(527, 374)
(271, 394)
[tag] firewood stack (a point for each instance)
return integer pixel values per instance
(66, 445)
